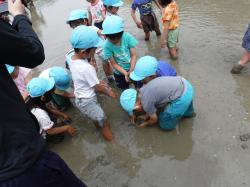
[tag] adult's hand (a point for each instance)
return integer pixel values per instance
(16, 7)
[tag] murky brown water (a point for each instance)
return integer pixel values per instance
(207, 152)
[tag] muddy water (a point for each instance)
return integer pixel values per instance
(207, 152)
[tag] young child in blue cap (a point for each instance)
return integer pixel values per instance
(79, 17)
(165, 101)
(148, 18)
(39, 90)
(119, 50)
(84, 41)
(148, 67)
(62, 93)
(112, 6)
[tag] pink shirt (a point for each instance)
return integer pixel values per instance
(20, 80)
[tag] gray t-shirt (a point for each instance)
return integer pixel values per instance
(159, 92)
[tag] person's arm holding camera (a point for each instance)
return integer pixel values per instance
(29, 50)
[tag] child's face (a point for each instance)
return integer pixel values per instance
(115, 41)
(76, 23)
(113, 10)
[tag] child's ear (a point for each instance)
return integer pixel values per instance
(43, 98)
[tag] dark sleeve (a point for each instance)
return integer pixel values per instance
(20, 45)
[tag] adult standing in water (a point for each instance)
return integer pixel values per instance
(24, 160)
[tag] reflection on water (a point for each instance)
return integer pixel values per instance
(210, 43)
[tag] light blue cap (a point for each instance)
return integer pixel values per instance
(128, 99)
(145, 67)
(77, 14)
(10, 68)
(61, 77)
(84, 37)
(112, 25)
(37, 87)
(114, 3)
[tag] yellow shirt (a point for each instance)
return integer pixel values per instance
(171, 14)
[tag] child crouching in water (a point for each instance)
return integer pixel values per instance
(170, 27)
(39, 90)
(119, 50)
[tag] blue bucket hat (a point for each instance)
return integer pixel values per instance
(37, 87)
(112, 25)
(114, 3)
(128, 99)
(10, 68)
(77, 14)
(145, 67)
(84, 37)
(61, 77)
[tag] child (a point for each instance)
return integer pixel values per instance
(112, 6)
(62, 92)
(170, 27)
(21, 77)
(38, 89)
(84, 40)
(246, 55)
(165, 101)
(149, 21)
(96, 11)
(148, 66)
(119, 50)
(79, 17)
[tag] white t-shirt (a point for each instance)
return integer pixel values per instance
(43, 119)
(45, 74)
(84, 78)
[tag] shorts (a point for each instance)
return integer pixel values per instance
(91, 109)
(123, 84)
(174, 111)
(246, 40)
(150, 23)
(50, 170)
(99, 25)
(173, 36)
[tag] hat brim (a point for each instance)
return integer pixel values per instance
(119, 4)
(103, 32)
(100, 42)
(63, 88)
(135, 77)
(51, 84)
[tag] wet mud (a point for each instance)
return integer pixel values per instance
(209, 149)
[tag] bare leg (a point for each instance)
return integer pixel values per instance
(147, 36)
(243, 61)
(173, 53)
(107, 132)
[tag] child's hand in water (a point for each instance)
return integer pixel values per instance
(113, 94)
(66, 117)
(127, 77)
(71, 130)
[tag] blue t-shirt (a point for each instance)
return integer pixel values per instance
(165, 69)
(144, 6)
(121, 54)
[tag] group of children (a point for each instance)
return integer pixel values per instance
(99, 32)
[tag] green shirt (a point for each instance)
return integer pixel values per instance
(121, 53)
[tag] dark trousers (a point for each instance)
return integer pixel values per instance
(123, 84)
(99, 25)
(49, 171)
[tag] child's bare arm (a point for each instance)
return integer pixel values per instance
(58, 130)
(58, 113)
(164, 36)
(119, 68)
(133, 59)
(68, 95)
(90, 18)
(138, 23)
